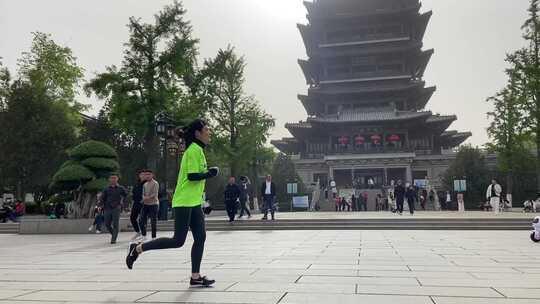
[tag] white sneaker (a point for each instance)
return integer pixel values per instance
(98, 231)
(90, 228)
(136, 237)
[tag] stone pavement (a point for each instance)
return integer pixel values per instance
(442, 267)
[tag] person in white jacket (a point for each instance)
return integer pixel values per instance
(493, 195)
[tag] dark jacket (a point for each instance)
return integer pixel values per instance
(138, 193)
(232, 192)
(410, 195)
(272, 189)
(112, 197)
(244, 188)
(399, 192)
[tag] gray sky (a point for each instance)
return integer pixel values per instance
(470, 39)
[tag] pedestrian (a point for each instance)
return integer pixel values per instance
(244, 187)
(337, 202)
(345, 205)
(379, 203)
(137, 206)
(268, 193)
(98, 220)
(354, 202)
(60, 210)
(493, 194)
(150, 203)
(187, 201)
(231, 194)
(111, 201)
(447, 201)
(423, 198)
(399, 192)
(364, 201)
(410, 195)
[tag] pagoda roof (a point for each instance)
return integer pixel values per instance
(364, 116)
(309, 70)
(425, 96)
(441, 122)
(317, 11)
(370, 89)
(364, 48)
(286, 144)
(441, 118)
(454, 138)
(300, 129)
(423, 23)
(423, 60)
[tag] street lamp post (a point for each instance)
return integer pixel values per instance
(167, 130)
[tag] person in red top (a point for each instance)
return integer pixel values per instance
(20, 209)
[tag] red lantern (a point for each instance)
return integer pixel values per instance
(376, 139)
(359, 139)
(393, 138)
(343, 140)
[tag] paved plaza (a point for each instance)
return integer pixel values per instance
(442, 267)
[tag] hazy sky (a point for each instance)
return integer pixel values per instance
(470, 39)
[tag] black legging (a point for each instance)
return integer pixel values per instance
(400, 205)
(185, 218)
(134, 216)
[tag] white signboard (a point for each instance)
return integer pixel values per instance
(300, 202)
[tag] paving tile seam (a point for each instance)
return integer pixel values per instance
(282, 297)
(146, 296)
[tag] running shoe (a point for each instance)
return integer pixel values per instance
(201, 282)
(132, 255)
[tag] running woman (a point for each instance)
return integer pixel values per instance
(187, 201)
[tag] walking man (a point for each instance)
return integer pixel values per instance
(411, 196)
(268, 193)
(493, 194)
(399, 192)
(244, 185)
(150, 203)
(111, 201)
(137, 206)
(232, 193)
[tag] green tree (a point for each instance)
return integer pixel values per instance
(130, 150)
(39, 115)
(53, 69)
(84, 175)
(284, 172)
(240, 125)
(5, 83)
(469, 164)
(35, 134)
(508, 130)
(525, 75)
(158, 74)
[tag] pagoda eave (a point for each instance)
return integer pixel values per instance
(318, 13)
(309, 71)
(425, 97)
(362, 90)
(422, 24)
(423, 62)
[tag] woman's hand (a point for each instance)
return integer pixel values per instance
(213, 171)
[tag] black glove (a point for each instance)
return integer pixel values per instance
(213, 171)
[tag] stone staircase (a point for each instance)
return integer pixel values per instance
(9, 228)
(395, 223)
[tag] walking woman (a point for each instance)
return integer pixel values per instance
(187, 201)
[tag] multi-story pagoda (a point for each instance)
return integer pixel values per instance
(366, 98)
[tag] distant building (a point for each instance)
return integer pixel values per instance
(366, 97)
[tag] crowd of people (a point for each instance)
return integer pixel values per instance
(12, 211)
